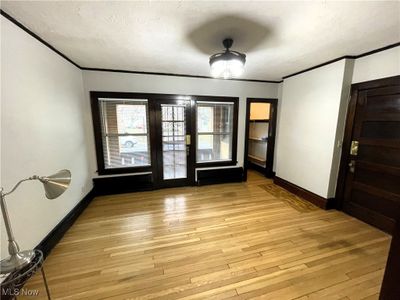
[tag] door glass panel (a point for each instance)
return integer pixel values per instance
(173, 141)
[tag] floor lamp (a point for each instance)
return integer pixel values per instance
(54, 185)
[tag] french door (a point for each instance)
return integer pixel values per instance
(173, 147)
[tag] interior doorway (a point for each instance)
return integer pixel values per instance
(260, 135)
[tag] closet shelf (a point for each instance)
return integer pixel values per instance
(259, 120)
(257, 159)
(258, 139)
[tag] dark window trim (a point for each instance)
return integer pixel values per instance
(101, 170)
(233, 161)
(222, 163)
(129, 170)
(152, 98)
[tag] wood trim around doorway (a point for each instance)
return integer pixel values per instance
(271, 137)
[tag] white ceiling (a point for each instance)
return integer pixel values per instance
(279, 38)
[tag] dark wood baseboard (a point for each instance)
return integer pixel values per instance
(144, 182)
(307, 195)
(214, 176)
(123, 184)
(49, 242)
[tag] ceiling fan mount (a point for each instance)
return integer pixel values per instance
(228, 42)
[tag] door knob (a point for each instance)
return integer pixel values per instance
(352, 166)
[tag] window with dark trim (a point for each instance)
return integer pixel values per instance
(216, 134)
(126, 126)
(123, 138)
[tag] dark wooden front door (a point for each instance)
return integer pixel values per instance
(174, 162)
(372, 178)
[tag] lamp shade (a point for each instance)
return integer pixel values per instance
(56, 184)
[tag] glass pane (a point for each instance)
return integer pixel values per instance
(126, 151)
(214, 147)
(124, 131)
(223, 118)
(131, 118)
(205, 119)
(131, 144)
(173, 141)
(214, 131)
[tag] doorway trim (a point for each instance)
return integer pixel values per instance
(271, 135)
(348, 131)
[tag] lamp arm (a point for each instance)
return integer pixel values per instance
(34, 177)
(13, 247)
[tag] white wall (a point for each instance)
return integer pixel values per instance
(42, 131)
(340, 126)
(124, 82)
(307, 128)
(379, 65)
(312, 114)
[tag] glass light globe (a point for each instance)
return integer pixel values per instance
(227, 68)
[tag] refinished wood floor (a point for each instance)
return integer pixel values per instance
(241, 241)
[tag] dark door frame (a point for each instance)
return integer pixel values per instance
(159, 182)
(348, 132)
(271, 135)
(390, 288)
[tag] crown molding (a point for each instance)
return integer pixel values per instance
(344, 57)
(34, 35)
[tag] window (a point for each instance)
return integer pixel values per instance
(124, 133)
(216, 141)
(140, 132)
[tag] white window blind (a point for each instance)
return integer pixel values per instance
(214, 131)
(125, 132)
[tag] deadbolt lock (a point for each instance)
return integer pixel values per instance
(354, 148)
(188, 139)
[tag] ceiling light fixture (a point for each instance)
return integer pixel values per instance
(227, 64)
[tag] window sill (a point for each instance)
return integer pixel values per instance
(216, 164)
(124, 170)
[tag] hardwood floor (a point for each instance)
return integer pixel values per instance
(248, 240)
